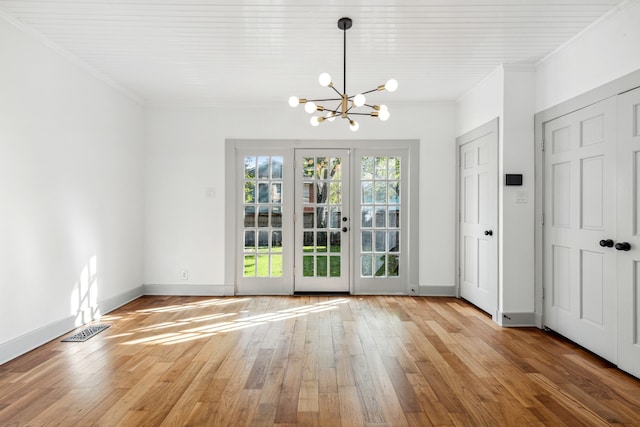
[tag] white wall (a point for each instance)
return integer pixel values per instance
(509, 94)
(606, 51)
(70, 192)
(185, 155)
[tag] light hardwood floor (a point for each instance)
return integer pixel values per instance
(317, 360)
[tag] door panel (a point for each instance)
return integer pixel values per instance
(580, 165)
(628, 229)
(478, 254)
(322, 221)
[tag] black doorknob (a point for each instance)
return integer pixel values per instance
(344, 219)
(608, 243)
(488, 232)
(344, 229)
(623, 246)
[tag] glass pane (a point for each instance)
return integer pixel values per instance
(276, 216)
(308, 193)
(307, 266)
(263, 216)
(263, 265)
(367, 245)
(276, 241)
(263, 241)
(367, 217)
(276, 265)
(321, 241)
(249, 216)
(263, 167)
(394, 192)
(322, 266)
(393, 265)
(249, 240)
(321, 192)
(334, 266)
(308, 168)
(249, 192)
(394, 216)
(367, 168)
(263, 192)
(307, 218)
(335, 197)
(335, 242)
(322, 164)
(380, 265)
(381, 213)
(322, 217)
(381, 167)
(307, 241)
(249, 269)
(336, 168)
(381, 241)
(276, 192)
(366, 266)
(249, 167)
(367, 191)
(276, 167)
(335, 217)
(394, 241)
(394, 168)
(381, 192)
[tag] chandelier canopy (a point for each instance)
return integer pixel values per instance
(346, 103)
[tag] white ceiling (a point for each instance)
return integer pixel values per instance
(258, 51)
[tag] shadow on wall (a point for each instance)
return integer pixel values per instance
(84, 295)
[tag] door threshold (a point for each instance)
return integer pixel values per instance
(329, 294)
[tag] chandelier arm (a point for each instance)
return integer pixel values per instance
(369, 91)
(326, 99)
(337, 91)
(361, 114)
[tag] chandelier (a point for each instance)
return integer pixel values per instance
(346, 104)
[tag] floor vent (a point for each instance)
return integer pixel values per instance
(86, 333)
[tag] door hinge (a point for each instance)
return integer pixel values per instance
(542, 218)
(294, 218)
(543, 145)
(542, 293)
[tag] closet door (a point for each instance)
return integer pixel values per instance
(628, 232)
(580, 227)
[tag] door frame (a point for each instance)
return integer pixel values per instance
(232, 146)
(491, 126)
(616, 87)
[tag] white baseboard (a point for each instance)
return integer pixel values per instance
(20, 345)
(118, 301)
(438, 291)
(27, 342)
(516, 319)
(188, 290)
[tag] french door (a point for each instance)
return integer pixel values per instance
(322, 220)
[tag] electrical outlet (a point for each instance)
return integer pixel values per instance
(184, 274)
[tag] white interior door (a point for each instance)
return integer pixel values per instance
(478, 246)
(322, 222)
(628, 112)
(580, 226)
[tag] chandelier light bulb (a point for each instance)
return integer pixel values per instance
(314, 121)
(383, 107)
(310, 107)
(331, 117)
(353, 125)
(294, 101)
(359, 100)
(324, 79)
(391, 85)
(384, 115)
